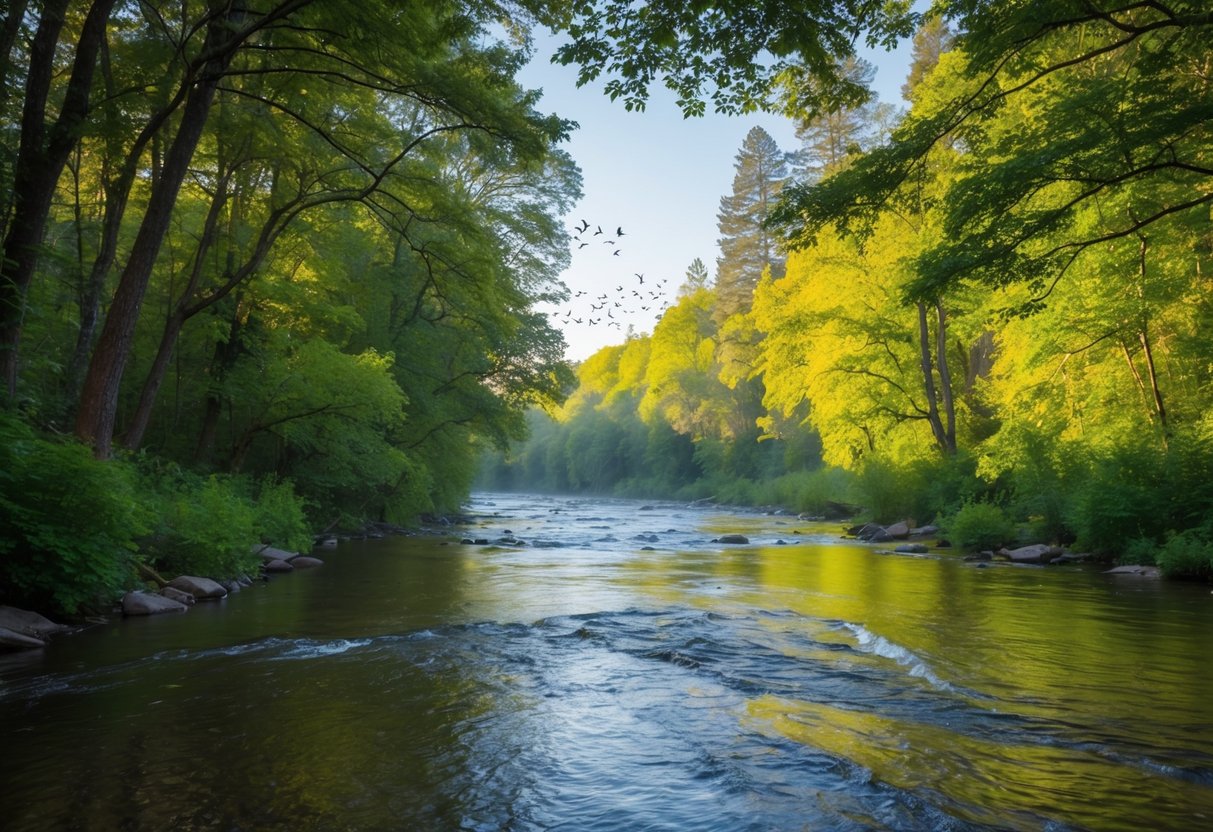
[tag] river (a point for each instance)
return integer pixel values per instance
(620, 671)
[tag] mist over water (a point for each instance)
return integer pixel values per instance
(619, 671)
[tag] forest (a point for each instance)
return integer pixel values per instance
(271, 267)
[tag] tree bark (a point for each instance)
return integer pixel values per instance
(945, 379)
(98, 406)
(41, 156)
(928, 379)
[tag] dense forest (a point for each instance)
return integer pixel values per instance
(273, 266)
(988, 310)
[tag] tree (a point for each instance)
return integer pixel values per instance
(696, 278)
(829, 139)
(1028, 98)
(747, 247)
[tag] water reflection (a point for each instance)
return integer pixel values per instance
(416, 683)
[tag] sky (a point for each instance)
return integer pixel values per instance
(657, 176)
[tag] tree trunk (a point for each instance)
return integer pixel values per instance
(99, 397)
(176, 320)
(945, 379)
(222, 358)
(928, 379)
(41, 156)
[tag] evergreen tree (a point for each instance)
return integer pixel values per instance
(696, 278)
(829, 138)
(746, 246)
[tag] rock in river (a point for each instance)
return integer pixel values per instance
(203, 589)
(178, 595)
(149, 603)
(732, 538)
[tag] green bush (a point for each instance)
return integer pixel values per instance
(980, 526)
(68, 522)
(279, 517)
(1188, 554)
(204, 527)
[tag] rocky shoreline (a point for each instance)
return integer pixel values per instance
(23, 629)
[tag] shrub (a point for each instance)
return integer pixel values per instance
(68, 522)
(1188, 554)
(279, 518)
(980, 526)
(204, 526)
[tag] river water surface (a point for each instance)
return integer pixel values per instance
(585, 682)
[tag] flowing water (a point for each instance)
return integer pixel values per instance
(620, 671)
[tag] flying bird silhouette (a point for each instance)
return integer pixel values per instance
(619, 231)
(639, 276)
(599, 231)
(615, 252)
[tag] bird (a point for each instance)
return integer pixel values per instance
(577, 320)
(580, 292)
(583, 245)
(619, 231)
(615, 252)
(618, 288)
(639, 276)
(599, 231)
(584, 225)
(608, 242)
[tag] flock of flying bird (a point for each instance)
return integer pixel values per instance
(610, 308)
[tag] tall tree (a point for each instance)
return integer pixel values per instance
(828, 139)
(747, 246)
(45, 143)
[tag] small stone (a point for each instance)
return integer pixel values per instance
(277, 566)
(306, 562)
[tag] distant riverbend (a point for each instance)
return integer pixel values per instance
(604, 665)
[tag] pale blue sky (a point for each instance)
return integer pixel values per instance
(657, 175)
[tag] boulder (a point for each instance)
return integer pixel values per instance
(149, 603)
(1135, 569)
(29, 623)
(911, 549)
(268, 553)
(732, 538)
(13, 640)
(1036, 553)
(178, 595)
(923, 531)
(305, 562)
(232, 586)
(277, 566)
(898, 531)
(203, 589)
(867, 531)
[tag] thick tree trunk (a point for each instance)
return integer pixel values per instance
(41, 156)
(98, 406)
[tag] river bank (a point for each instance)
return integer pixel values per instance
(585, 680)
(26, 629)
